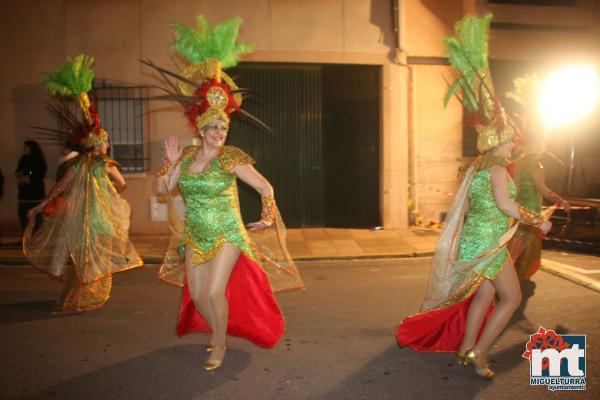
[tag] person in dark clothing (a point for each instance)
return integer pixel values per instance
(30, 174)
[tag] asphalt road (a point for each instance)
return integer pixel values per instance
(339, 343)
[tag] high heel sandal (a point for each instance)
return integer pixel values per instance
(460, 358)
(211, 365)
(484, 372)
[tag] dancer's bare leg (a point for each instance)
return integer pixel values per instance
(221, 268)
(509, 292)
(198, 278)
(477, 310)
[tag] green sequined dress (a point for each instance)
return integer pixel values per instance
(212, 206)
(212, 218)
(485, 223)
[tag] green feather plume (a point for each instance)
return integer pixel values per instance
(467, 51)
(197, 45)
(71, 78)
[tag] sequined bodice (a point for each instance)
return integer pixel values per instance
(482, 204)
(211, 204)
(485, 222)
(206, 192)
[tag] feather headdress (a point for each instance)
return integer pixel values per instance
(72, 81)
(467, 51)
(204, 90)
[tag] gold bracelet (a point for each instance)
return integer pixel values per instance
(268, 209)
(164, 168)
(529, 217)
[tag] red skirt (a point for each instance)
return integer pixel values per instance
(253, 311)
(437, 330)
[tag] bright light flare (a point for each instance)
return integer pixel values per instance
(569, 94)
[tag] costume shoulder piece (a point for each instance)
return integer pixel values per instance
(185, 154)
(188, 152)
(232, 156)
(108, 160)
(488, 161)
(92, 159)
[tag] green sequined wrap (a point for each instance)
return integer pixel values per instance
(85, 237)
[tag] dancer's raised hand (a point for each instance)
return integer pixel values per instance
(173, 148)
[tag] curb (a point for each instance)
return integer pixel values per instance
(558, 269)
(159, 260)
(412, 254)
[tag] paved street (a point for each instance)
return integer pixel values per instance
(339, 342)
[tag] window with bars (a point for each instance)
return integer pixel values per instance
(122, 110)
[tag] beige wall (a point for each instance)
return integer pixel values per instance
(427, 22)
(118, 32)
(436, 151)
(434, 132)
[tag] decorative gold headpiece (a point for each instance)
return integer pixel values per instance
(203, 88)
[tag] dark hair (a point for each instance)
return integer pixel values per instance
(74, 147)
(36, 150)
(36, 153)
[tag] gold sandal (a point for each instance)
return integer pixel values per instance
(211, 365)
(484, 372)
(460, 358)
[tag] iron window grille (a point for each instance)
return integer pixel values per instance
(123, 111)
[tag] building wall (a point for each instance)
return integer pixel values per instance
(421, 140)
(39, 34)
(435, 131)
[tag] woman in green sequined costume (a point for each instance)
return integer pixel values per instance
(471, 263)
(84, 238)
(216, 240)
(228, 279)
(526, 245)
